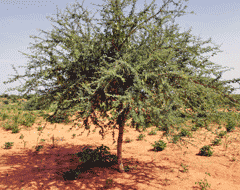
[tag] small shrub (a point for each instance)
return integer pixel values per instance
(141, 136)
(5, 102)
(40, 128)
(21, 137)
(27, 119)
(14, 99)
(128, 140)
(109, 183)
(184, 168)
(205, 184)
(4, 116)
(13, 127)
(16, 118)
(175, 138)
(194, 128)
(199, 123)
(152, 133)
(185, 132)
(99, 154)
(205, 151)
(8, 145)
(216, 141)
(127, 168)
(164, 128)
(230, 125)
(200, 115)
(222, 133)
(159, 146)
(38, 147)
(15, 130)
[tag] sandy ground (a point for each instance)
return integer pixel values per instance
(176, 167)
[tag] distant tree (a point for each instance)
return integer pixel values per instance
(107, 71)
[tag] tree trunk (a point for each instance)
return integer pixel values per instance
(121, 122)
(119, 149)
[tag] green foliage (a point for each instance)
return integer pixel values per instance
(109, 183)
(8, 145)
(185, 132)
(141, 136)
(57, 118)
(39, 147)
(5, 102)
(184, 168)
(15, 130)
(4, 116)
(199, 123)
(152, 133)
(204, 185)
(194, 128)
(159, 146)
(27, 119)
(21, 137)
(216, 141)
(222, 133)
(32, 104)
(99, 154)
(230, 124)
(13, 99)
(9, 126)
(206, 151)
(40, 128)
(176, 138)
(4, 95)
(128, 140)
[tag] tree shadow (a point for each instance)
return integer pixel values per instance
(57, 167)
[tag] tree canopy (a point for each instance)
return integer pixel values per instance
(107, 70)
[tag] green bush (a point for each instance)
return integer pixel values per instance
(128, 140)
(15, 130)
(141, 136)
(13, 127)
(58, 118)
(176, 138)
(185, 132)
(99, 154)
(206, 151)
(216, 141)
(5, 102)
(8, 145)
(37, 148)
(199, 123)
(31, 105)
(4, 116)
(194, 128)
(27, 119)
(230, 125)
(159, 146)
(222, 133)
(152, 133)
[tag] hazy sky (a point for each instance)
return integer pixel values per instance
(218, 19)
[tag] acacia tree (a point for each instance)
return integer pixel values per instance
(106, 71)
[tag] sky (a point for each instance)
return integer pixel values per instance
(218, 19)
